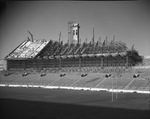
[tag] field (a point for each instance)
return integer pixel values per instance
(39, 103)
(71, 104)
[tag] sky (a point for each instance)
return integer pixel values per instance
(129, 21)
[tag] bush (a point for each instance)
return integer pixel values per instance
(134, 57)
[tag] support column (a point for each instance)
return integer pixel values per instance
(127, 61)
(102, 62)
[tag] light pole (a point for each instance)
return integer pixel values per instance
(112, 95)
(117, 81)
(79, 62)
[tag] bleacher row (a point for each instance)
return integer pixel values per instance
(80, 78)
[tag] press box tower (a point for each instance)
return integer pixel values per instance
(73, 32)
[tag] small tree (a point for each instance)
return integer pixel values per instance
(134, 57)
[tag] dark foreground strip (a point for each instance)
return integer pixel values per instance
(23, 109)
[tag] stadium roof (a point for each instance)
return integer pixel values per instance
(49, 49)
(27, 49)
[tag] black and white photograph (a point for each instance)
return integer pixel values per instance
(73, 59)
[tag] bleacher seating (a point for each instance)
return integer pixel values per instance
(73, 77)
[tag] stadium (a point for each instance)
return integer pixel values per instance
(41, 54)
(107, 67)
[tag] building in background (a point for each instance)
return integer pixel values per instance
(3, 65)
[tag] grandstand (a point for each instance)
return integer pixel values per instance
(43, 62)
(41, 54)
(73, 78)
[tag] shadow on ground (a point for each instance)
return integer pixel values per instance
(23, 109)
